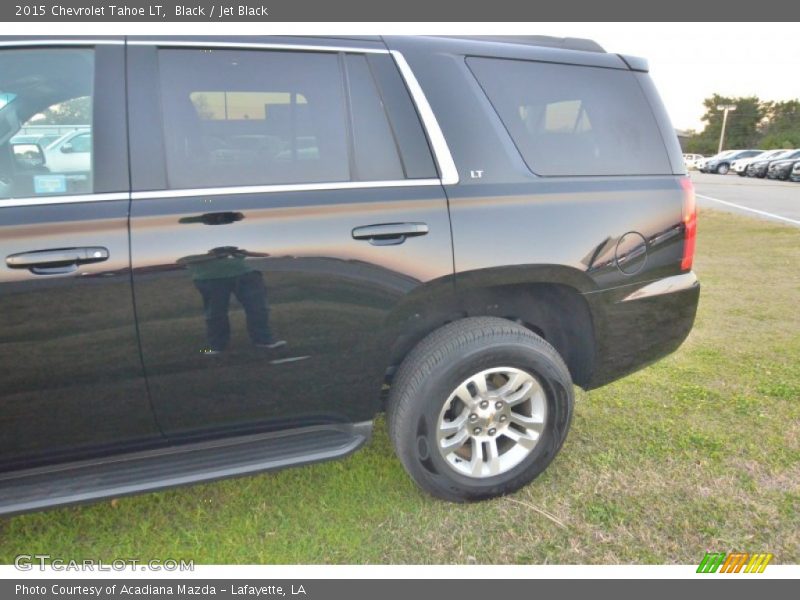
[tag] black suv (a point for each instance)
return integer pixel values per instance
(452, 230)
(782, 167)
(762, 168)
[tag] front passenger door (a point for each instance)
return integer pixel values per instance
(71, 380)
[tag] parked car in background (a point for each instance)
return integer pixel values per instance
(32, 138)
(795, 174)
(701, 164)
(739, 166)
(690, 160)
(759, 168)
(70, 153)
(782, 167)
(721, 163)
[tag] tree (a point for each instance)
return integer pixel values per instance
(701, 145)
(77, 111)
(742, 126)
(754, 124)
(781, 127)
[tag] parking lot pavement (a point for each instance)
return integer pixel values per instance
(762, 198)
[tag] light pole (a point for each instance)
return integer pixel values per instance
(726, 108)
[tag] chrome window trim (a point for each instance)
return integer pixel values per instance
(60, 42)
(441, 151)
(254, 46)
(281, 188)
(72, 199)
(218, 191)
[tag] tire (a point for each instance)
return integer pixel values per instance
(723, 169)
(741, 173)
(438, 386)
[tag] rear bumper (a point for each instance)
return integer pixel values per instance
(637, 325)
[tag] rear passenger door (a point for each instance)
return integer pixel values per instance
(71, 381)
(286, 207)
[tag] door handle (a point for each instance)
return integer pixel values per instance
(389, 234)
(58, 260)
(219, 218)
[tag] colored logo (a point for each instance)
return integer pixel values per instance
(735, 562)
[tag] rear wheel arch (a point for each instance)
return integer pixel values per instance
(554, 310)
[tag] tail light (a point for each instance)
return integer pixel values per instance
(689, 223)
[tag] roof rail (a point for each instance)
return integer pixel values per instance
(566, 43)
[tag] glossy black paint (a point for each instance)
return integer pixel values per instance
(334, 300)
(71, 381)
(112, 357)
(512, 229)
(329, 297)
(635, 333)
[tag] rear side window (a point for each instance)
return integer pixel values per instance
(46, 122)
(234, 118)
(574, 120)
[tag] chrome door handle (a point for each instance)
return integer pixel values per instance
(388, 234)
(57, 260)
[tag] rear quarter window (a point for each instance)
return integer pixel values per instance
(569, 120)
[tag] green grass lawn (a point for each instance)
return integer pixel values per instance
(698, 452)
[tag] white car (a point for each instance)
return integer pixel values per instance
(690, 160)
(70, 153)
(701, 164)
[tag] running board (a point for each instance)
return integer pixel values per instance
(146, 471)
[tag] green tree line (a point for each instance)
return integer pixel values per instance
(754, 124)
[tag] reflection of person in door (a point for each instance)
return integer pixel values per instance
(218, 274)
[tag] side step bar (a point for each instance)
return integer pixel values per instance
(144, 471)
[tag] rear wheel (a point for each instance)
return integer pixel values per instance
(479, 408)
